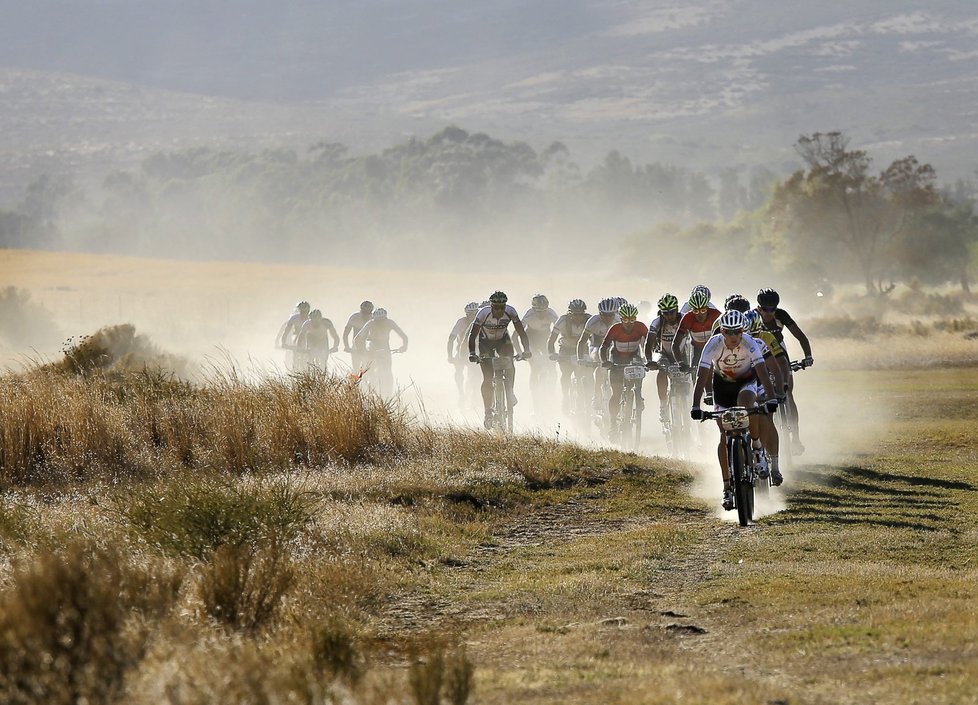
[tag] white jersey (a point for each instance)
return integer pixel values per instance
(733, 364)
(598, 329)
(539, 321)
(358, 321)
(460, 331)
(569, 331)
(493, 327)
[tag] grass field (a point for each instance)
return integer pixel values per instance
(248, 538)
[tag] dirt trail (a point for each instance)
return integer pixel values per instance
(577, 518)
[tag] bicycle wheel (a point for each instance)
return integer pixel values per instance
(677, 427)
(743, 489)
(784, 437)
(637, 423)
(499, 404)
(626, 422)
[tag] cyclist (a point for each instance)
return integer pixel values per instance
(314, 340)
(662, 331)
(375, 339)
(562, 345)
(775, 320)
(623, 343)
(697, 325)
(491, 329)
(289, 332)
(701, 288)
(773, 353)
(456, 345)
(589, 345)
(538, 322)
(353, 325)
(736, 363)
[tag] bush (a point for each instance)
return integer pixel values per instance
(243, 585)
(73, 623)
(194, 516)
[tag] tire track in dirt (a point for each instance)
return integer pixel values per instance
(576, 518)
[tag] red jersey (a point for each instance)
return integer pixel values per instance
(624, 345)
(698, 332)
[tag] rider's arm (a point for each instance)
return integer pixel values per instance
(677, 343)
(802, 338)
(551, 341)
(361, 338)
(762, 373)
(521, 331)
(703, 376)
(605, 346)
(450, 351)
(582, 344)
(404, 339)
(651, 342)
(331, 333)
(285, 333)
(473, 335)
(346, 335)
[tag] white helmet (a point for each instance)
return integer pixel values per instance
(732, 320)
(608, 306)
(472, 307)
(540, 302)
(380, 313)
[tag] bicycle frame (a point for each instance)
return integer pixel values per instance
(735, 422)
(631, 405)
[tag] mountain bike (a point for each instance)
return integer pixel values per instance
(783, 421)
(677, 425)
(629, 421)
(735, 422)
(576, 394)
(503, 400)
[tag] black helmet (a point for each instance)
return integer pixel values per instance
(736, 302)
(768, 297)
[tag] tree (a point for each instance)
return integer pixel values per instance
(841, 209)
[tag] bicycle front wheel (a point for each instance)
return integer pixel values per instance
(743, 490)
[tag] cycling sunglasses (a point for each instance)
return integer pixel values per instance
(769, 309)
(732, 332)
(670, 312)
(701, 310)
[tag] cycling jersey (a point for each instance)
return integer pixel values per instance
(732, 364)
(769, 344)
(663, 332)
(699, 331)
(290, 331)
(357, 321)
(570, 332)
(495, 327)
(625, 345)
(539, 322)
(597, 329)
(314, 334)
(776, 326)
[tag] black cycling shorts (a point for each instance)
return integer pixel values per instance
(725, 391)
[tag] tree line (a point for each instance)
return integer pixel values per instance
(427, 201)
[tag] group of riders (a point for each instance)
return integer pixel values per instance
(734, 357)
(309, 339)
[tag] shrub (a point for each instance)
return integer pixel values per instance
(243, 585)
(334, 652)
(193, 516)
(73, 623)
(441, 672)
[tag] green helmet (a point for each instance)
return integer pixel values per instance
(699, 299)
(628, 311)
(498, 297)
(668, 303)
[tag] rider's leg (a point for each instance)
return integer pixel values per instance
(662, 386)
(616, 376)
(566, 370)
(460, 379)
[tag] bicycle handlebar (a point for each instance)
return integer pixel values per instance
(751, 411)
(798, 365)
